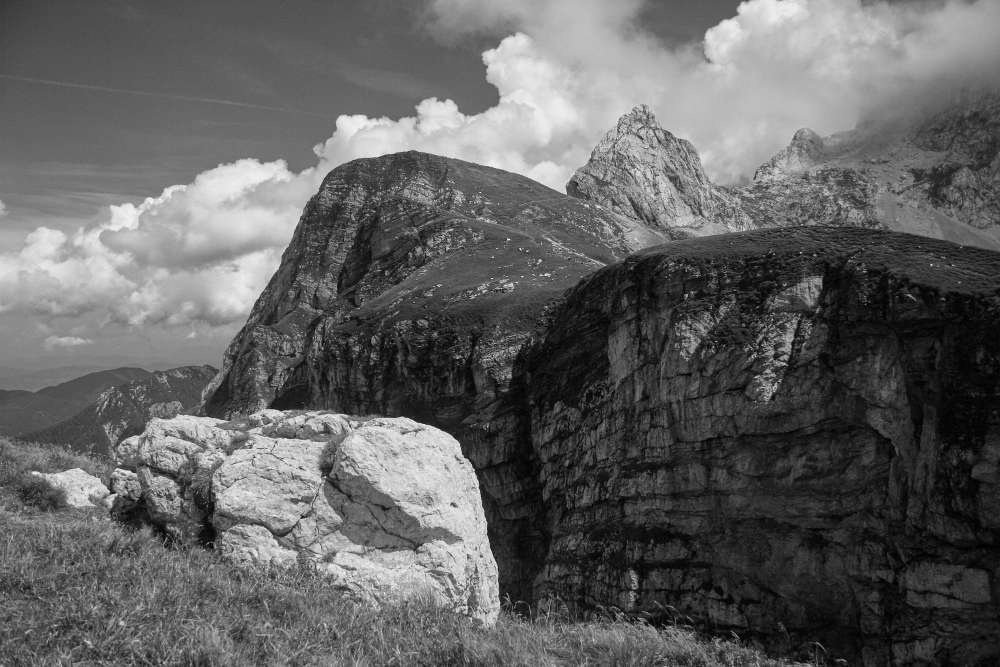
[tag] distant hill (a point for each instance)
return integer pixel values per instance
(33, 379)
(25, 411)
(123, 410)
(7, 394)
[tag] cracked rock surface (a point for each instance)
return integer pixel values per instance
(388, 507)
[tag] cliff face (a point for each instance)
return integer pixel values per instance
(933, 173)
(123, 410)
(411, 283)
(788, 433)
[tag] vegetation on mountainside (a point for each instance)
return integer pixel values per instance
(76, 587)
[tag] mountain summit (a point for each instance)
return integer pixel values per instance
(643, 171)
(933, 173)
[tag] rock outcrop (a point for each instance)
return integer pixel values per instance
(929, 172)
(644, 172)
(124, 410)
(81, 489)
(408, 288)
(792, 430)
(387, 507)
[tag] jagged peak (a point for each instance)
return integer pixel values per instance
(806, 137)
(640, 115)
(642, 171)
(805, 149)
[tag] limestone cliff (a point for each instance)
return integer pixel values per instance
(410, 284)
(933, 172)
(789, 433)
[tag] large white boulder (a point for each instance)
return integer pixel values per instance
(387, 507)
(81, 488)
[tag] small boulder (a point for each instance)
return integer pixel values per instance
(81, 488)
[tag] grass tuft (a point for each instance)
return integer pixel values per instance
(35, 491)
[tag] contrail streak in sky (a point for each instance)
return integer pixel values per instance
(169, 96)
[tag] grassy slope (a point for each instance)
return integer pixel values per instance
(76, 588)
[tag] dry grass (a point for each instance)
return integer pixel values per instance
(77, 588)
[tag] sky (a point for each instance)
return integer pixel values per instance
(156, 156)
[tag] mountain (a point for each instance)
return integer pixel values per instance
(930, 172)
(124, 409)
(788, 432)
(33, 379)
(23, 412)
(409, 286)
(642, 171)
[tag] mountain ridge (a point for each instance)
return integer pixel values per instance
(124, 409)
(26, 411)
(930, 172)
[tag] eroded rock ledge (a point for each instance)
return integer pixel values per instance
(388, 507)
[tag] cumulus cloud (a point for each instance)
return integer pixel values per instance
(200, 252)
(53, 342)
(3, 209)
(564, 71)
(777, 65)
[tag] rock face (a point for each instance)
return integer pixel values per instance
(784, 429)
(81, 488)
(124, 410)
(644, 172)
(934, 173)
(388, 507)
(408, 288)
(174, 460)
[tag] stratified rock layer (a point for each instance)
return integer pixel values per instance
(387, 507)
(408, 288)
(793, 429)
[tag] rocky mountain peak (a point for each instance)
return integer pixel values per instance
(641, 170)
(641, 116)
(805, 150)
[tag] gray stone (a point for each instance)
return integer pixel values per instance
(81, 488)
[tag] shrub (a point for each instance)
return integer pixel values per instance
(35, 491)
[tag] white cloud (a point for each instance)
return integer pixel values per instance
(201, 253)
(53, 342)
(3, 209)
